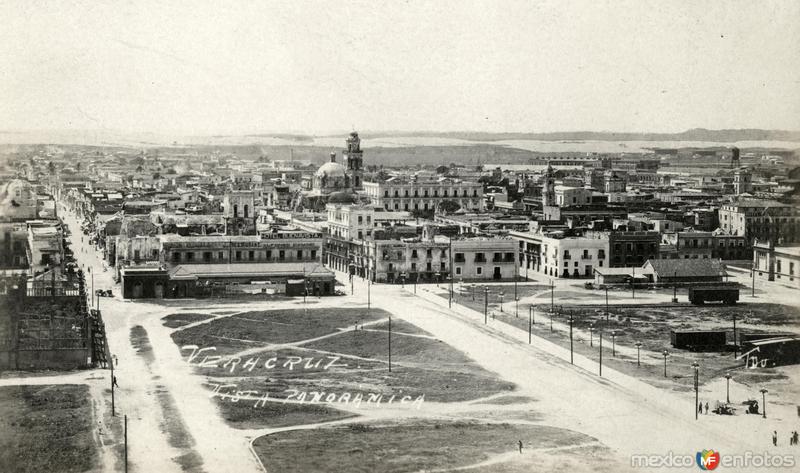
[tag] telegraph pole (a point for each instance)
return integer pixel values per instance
(601, 353)
(530, 323)
(485, 304)
(390, 343)
(126, 443)
(552, 305)
(112, 387)
(606, 304)
(735, 346)
(696, 389)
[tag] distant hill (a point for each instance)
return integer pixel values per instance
(695, 134)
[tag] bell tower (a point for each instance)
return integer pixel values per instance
(353, 157)
(549, 187)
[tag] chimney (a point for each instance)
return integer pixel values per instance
(333, 157)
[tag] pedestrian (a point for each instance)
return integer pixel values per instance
(520, 446)
(114, 381)
(706, 407)
(791, 438)
(795, 437)
(700, 408)
(775, 438)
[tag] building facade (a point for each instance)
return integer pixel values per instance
(780, 264)
(765, 220)
(424, 195)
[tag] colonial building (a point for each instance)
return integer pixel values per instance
(563, 254)
(410, 194)
(633, 248)
(762, 219)
(780, 264)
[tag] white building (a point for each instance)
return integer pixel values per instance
(415, 194)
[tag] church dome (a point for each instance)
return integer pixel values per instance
(330, 170)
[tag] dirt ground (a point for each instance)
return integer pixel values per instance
(431, 446)
(46, 428)
(336, 359)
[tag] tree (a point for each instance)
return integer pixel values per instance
(139, 169)
(78, 166)
(449, 206)
(156, 176)
(51, 167)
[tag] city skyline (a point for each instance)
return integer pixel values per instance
(430, 67)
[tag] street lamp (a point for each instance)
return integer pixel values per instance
(501, 300)
(403, 279)
(473, 291)
(638, 347)
(516, 307)
(591, 334)
(728, 387)
(613, 343)
(666, 354)
(437, 275)
(764, 402)
(696, 367)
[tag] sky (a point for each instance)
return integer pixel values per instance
(203, 67)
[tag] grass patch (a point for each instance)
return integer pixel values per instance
(420, 446)
(422, 366)
(244, 414)
(46, 428)
(279, 326)
(179, 320)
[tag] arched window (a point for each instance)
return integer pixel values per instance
(235, 210)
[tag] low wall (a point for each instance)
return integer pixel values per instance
(45, 359)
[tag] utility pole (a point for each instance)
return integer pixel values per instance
(516, 307)
(633, 283)
(606, 304)
(530, 323)
(451, 270)
(369, 294)
(485, 304)
(601, 353)
(112, 388)
(552, 305)
(126, 443)
(390, 343)
(638, 347)
(696, 389)
(753, 294)
(735, 346)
